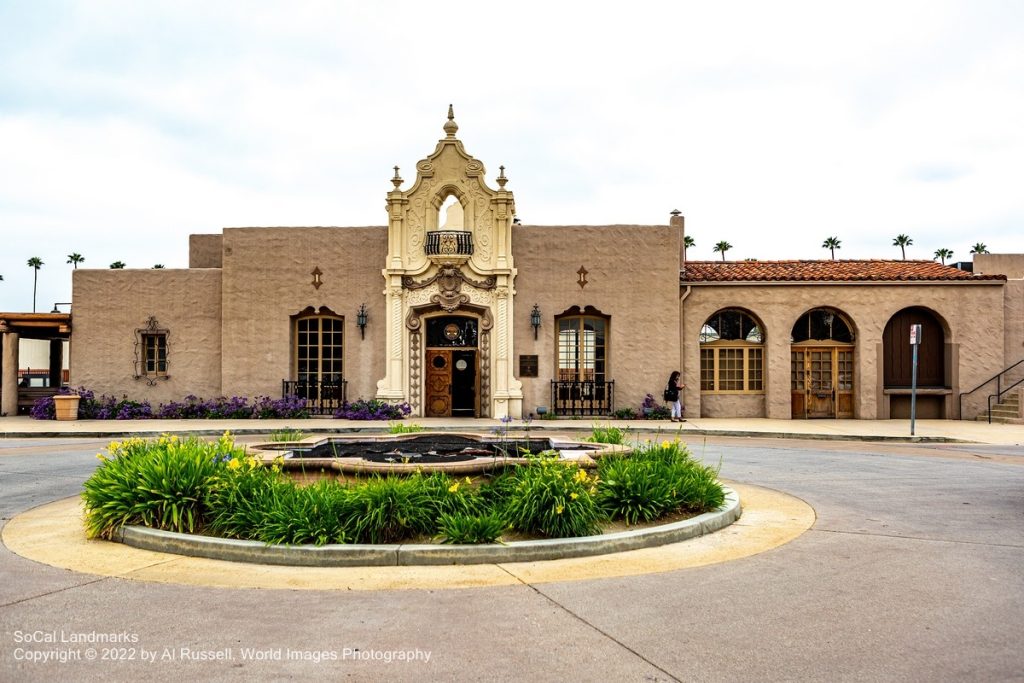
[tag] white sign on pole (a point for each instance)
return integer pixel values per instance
(915, 335)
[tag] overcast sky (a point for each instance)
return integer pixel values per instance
(127, 126)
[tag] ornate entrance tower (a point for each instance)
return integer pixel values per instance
(457, 267)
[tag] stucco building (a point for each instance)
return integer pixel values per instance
(456, 308)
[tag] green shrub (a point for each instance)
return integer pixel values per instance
(634, 490)
(239, 500)
(554, 499)
(385, 510)
(317, 514)
(609, 434)
(655, 480)
(625, 414)
(160, 484)
(471, 529)
(450, 496)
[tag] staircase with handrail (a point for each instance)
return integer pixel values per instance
(1002, 405)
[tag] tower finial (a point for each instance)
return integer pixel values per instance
(450, 127)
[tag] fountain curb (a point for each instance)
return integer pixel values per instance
(408, 554)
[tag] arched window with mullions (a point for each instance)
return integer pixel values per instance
(732, 353)
(582, 348)
(318, 360)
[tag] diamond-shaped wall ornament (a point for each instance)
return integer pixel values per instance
(317, 281)
(581, 279)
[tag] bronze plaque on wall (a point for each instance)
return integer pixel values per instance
(527, 366)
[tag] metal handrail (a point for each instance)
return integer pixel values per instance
(999, 390)
(998, 396)
(322, 398)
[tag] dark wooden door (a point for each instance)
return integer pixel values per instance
(439, 383)
(898, 354)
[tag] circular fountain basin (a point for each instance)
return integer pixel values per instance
(454, 453)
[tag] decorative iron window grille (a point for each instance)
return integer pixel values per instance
(152, 352)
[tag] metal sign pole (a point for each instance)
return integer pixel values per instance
(915, 341)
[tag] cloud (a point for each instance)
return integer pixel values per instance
(127, 126)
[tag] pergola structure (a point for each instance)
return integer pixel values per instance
(54, 327)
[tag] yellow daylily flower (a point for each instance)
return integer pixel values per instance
(233, 464)
(574, 495)
(559, 509)
(453, 488)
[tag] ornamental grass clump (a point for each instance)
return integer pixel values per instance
(463, 529)
(553, 499)
(386, 510)
(241, 496)
(161, 484)
(317, 514)
(654, 481)
(609, 434)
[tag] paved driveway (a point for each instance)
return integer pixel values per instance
(914, 570)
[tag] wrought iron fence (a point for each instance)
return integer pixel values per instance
(322, 398)
(582, 398)
(448, 243)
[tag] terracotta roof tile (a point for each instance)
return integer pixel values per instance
(825, 271)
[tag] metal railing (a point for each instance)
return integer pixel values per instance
(448, 243)
(322, 398)
(582, 398)
(998, 378)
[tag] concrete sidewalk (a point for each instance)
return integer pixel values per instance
(951, 431)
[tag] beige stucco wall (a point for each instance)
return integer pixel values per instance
(267, 278)
(109, 305)
(205, 251)
(972, 313)
(1010, 265)
(633, 275)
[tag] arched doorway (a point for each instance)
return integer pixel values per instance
(452, 366)
(897, 364)
(821, 365)
(898, 354)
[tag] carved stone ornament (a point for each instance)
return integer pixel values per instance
(447, 278)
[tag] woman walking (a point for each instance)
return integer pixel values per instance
(673, 397)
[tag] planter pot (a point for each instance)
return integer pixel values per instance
(66, 406)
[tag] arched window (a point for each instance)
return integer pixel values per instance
(319, 347)
(582, 348)
(731, 353)
(822, 324)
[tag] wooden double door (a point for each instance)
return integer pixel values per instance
(451, 383)
(822, 381)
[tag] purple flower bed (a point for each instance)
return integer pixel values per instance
(372, 410)
(237, 407)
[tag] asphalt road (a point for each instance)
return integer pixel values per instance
(914, 570)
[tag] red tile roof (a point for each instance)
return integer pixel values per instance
(825, 271)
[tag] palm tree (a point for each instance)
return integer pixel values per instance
(117, 265)
(943, 254)
(722, 247)
(979, 248)
(902, 241)
(687, 243)
(831, 243)
(36, 263)
(75, 259)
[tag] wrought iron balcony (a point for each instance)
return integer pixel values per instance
(449, 246)
(322, 398)
(578, 398)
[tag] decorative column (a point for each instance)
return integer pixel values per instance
(9, 394)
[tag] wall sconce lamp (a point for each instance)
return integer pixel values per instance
(535, 320)
(361, 321)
